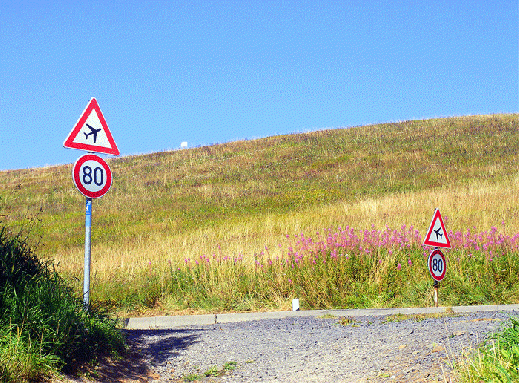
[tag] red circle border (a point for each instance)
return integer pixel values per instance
(433, 253)
(77, 180)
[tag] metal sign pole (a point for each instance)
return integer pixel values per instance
(86, 276)
(436, 285)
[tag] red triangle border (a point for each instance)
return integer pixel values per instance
(69, 142)
(428, 240)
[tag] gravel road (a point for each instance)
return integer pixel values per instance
(313, 349)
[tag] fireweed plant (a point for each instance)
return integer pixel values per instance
(245, 195)
(337, 268)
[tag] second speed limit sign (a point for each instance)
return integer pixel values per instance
(92, 176)
(437, 265)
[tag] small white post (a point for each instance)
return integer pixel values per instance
(295, 304)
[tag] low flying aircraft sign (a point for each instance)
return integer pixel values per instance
(437, 235)
(91, 132)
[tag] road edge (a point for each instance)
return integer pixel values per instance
(171, 322)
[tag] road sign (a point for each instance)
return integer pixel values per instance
(92, 176)
(437, 264)
(91, 132)
(437, 235)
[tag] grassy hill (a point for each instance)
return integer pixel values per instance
(243, 198)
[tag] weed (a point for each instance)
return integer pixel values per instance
(348, 321)
(399, 317)
(229, 366)
(192, 377)
(212, 371)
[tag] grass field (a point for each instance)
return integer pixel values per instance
(235, 207)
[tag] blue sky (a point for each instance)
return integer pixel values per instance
(205, 71)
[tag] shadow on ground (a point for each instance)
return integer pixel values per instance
(147, 348)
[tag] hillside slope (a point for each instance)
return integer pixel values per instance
(241, 196)
(174, 192)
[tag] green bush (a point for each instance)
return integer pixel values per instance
(43, 326)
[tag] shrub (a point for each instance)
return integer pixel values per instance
(43, 326)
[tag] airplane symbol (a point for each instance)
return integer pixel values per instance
(438, 234)
(92, 131)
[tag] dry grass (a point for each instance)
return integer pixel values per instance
(474, 206)
(245, 197)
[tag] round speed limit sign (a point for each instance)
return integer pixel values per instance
(92, 176)
(437, 265)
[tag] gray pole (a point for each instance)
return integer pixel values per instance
(86, 277)
(436, 285)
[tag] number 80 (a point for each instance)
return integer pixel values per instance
(437, 265)
(97, 177)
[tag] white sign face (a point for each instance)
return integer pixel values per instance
(92, 132)
(439, 234)
(437, 265)
(92, 176)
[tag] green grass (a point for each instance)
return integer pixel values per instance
(233, 200)
(496, 360)
(43, 327)
(22, 359)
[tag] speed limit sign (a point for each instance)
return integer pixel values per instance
(92, 176)
(437, 265)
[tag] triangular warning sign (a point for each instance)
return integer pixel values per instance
(91, 132)
(437, 235)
